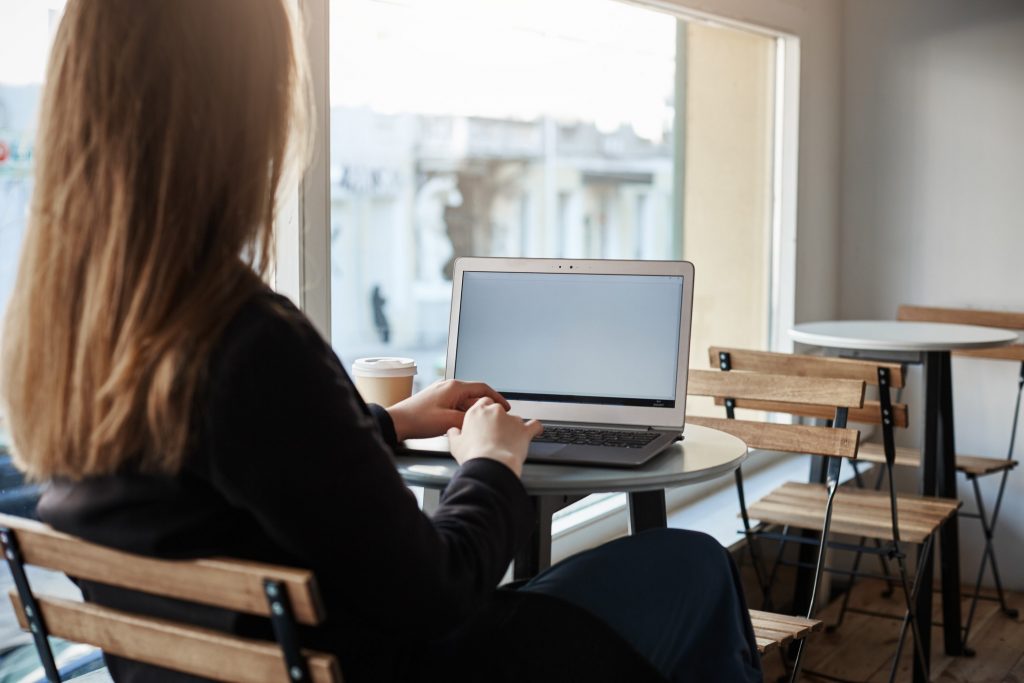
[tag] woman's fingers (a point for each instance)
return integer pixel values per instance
(483, 402)
(534, 427)
(471, 391)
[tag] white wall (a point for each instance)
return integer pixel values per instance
(933, 198)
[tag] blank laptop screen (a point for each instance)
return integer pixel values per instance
(607, 339)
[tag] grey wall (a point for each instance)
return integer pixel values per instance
(932, 197)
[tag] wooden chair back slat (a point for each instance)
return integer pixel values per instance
(1008, 320)
(770, 362)
(871, 413)
(227, 583)
(1013, 352)
(843, 393)
(188, 649)
(824, 441)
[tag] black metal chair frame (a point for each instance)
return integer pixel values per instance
(891, 550)
(988, 524)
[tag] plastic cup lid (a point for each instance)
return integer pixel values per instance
(384, 367)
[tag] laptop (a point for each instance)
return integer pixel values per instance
(596, 350)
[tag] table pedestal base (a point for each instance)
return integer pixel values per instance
(938, 478)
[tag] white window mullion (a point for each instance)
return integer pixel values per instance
(304, 228)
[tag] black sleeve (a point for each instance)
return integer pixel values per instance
(385, 424)
(295, 446)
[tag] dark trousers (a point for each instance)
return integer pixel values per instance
(673, 595)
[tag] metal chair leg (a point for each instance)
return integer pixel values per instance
(910, 617)
(832, 628)
(1007, 610)
(887, 593)
(988, 525)
(856, 474)
(908, 592)
(1010, 612)
(856, 561)
(752, 547)
(778, 557)
(987, 557)
(832, 485)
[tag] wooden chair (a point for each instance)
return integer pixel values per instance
(871, 373)
(972, 466)
(834, 444)
(286, 596)
(886, 518)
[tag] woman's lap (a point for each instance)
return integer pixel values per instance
(674, 595)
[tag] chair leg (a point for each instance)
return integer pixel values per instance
(987, 557)
(910, 593)
(752, 547)
(786, 665)
(856, 562)
(776, 563)
(887, 592)
(910, 617)
(856, 474)
(832, 628)
(832, 483)
(1007, 610)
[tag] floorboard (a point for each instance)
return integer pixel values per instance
(862, 648)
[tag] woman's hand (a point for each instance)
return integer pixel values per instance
(438, 408)
(488, 431)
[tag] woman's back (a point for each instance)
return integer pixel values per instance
(289, 466)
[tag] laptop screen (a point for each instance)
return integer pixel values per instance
(604, 339)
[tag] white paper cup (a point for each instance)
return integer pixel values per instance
(384, 380)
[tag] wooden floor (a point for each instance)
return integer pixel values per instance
(861, 650)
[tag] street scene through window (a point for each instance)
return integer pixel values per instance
(526, 128)
(489, 129)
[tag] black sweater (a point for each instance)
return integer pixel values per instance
(289, 466)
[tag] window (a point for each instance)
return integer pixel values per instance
(26, 32)
(583, 129)
(489, 129)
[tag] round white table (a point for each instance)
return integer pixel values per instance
(932, 342)
(703, 454)
(898, 335)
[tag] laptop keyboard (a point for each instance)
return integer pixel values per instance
(597, 437)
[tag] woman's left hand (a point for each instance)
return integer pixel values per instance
(438, 408)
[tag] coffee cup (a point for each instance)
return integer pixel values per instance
(384, 380)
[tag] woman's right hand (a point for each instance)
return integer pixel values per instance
(490, 432)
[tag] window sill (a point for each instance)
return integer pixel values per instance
(711, 507)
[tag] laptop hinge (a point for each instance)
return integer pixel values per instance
(611, 427)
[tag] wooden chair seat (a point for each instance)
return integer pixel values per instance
(858, 512)
(973, 465)
(976, 465)
(775, 630)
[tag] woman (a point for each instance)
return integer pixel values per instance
(180, 408)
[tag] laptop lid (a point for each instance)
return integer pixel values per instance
(576, 340)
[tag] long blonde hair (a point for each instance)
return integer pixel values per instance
(164, 134)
